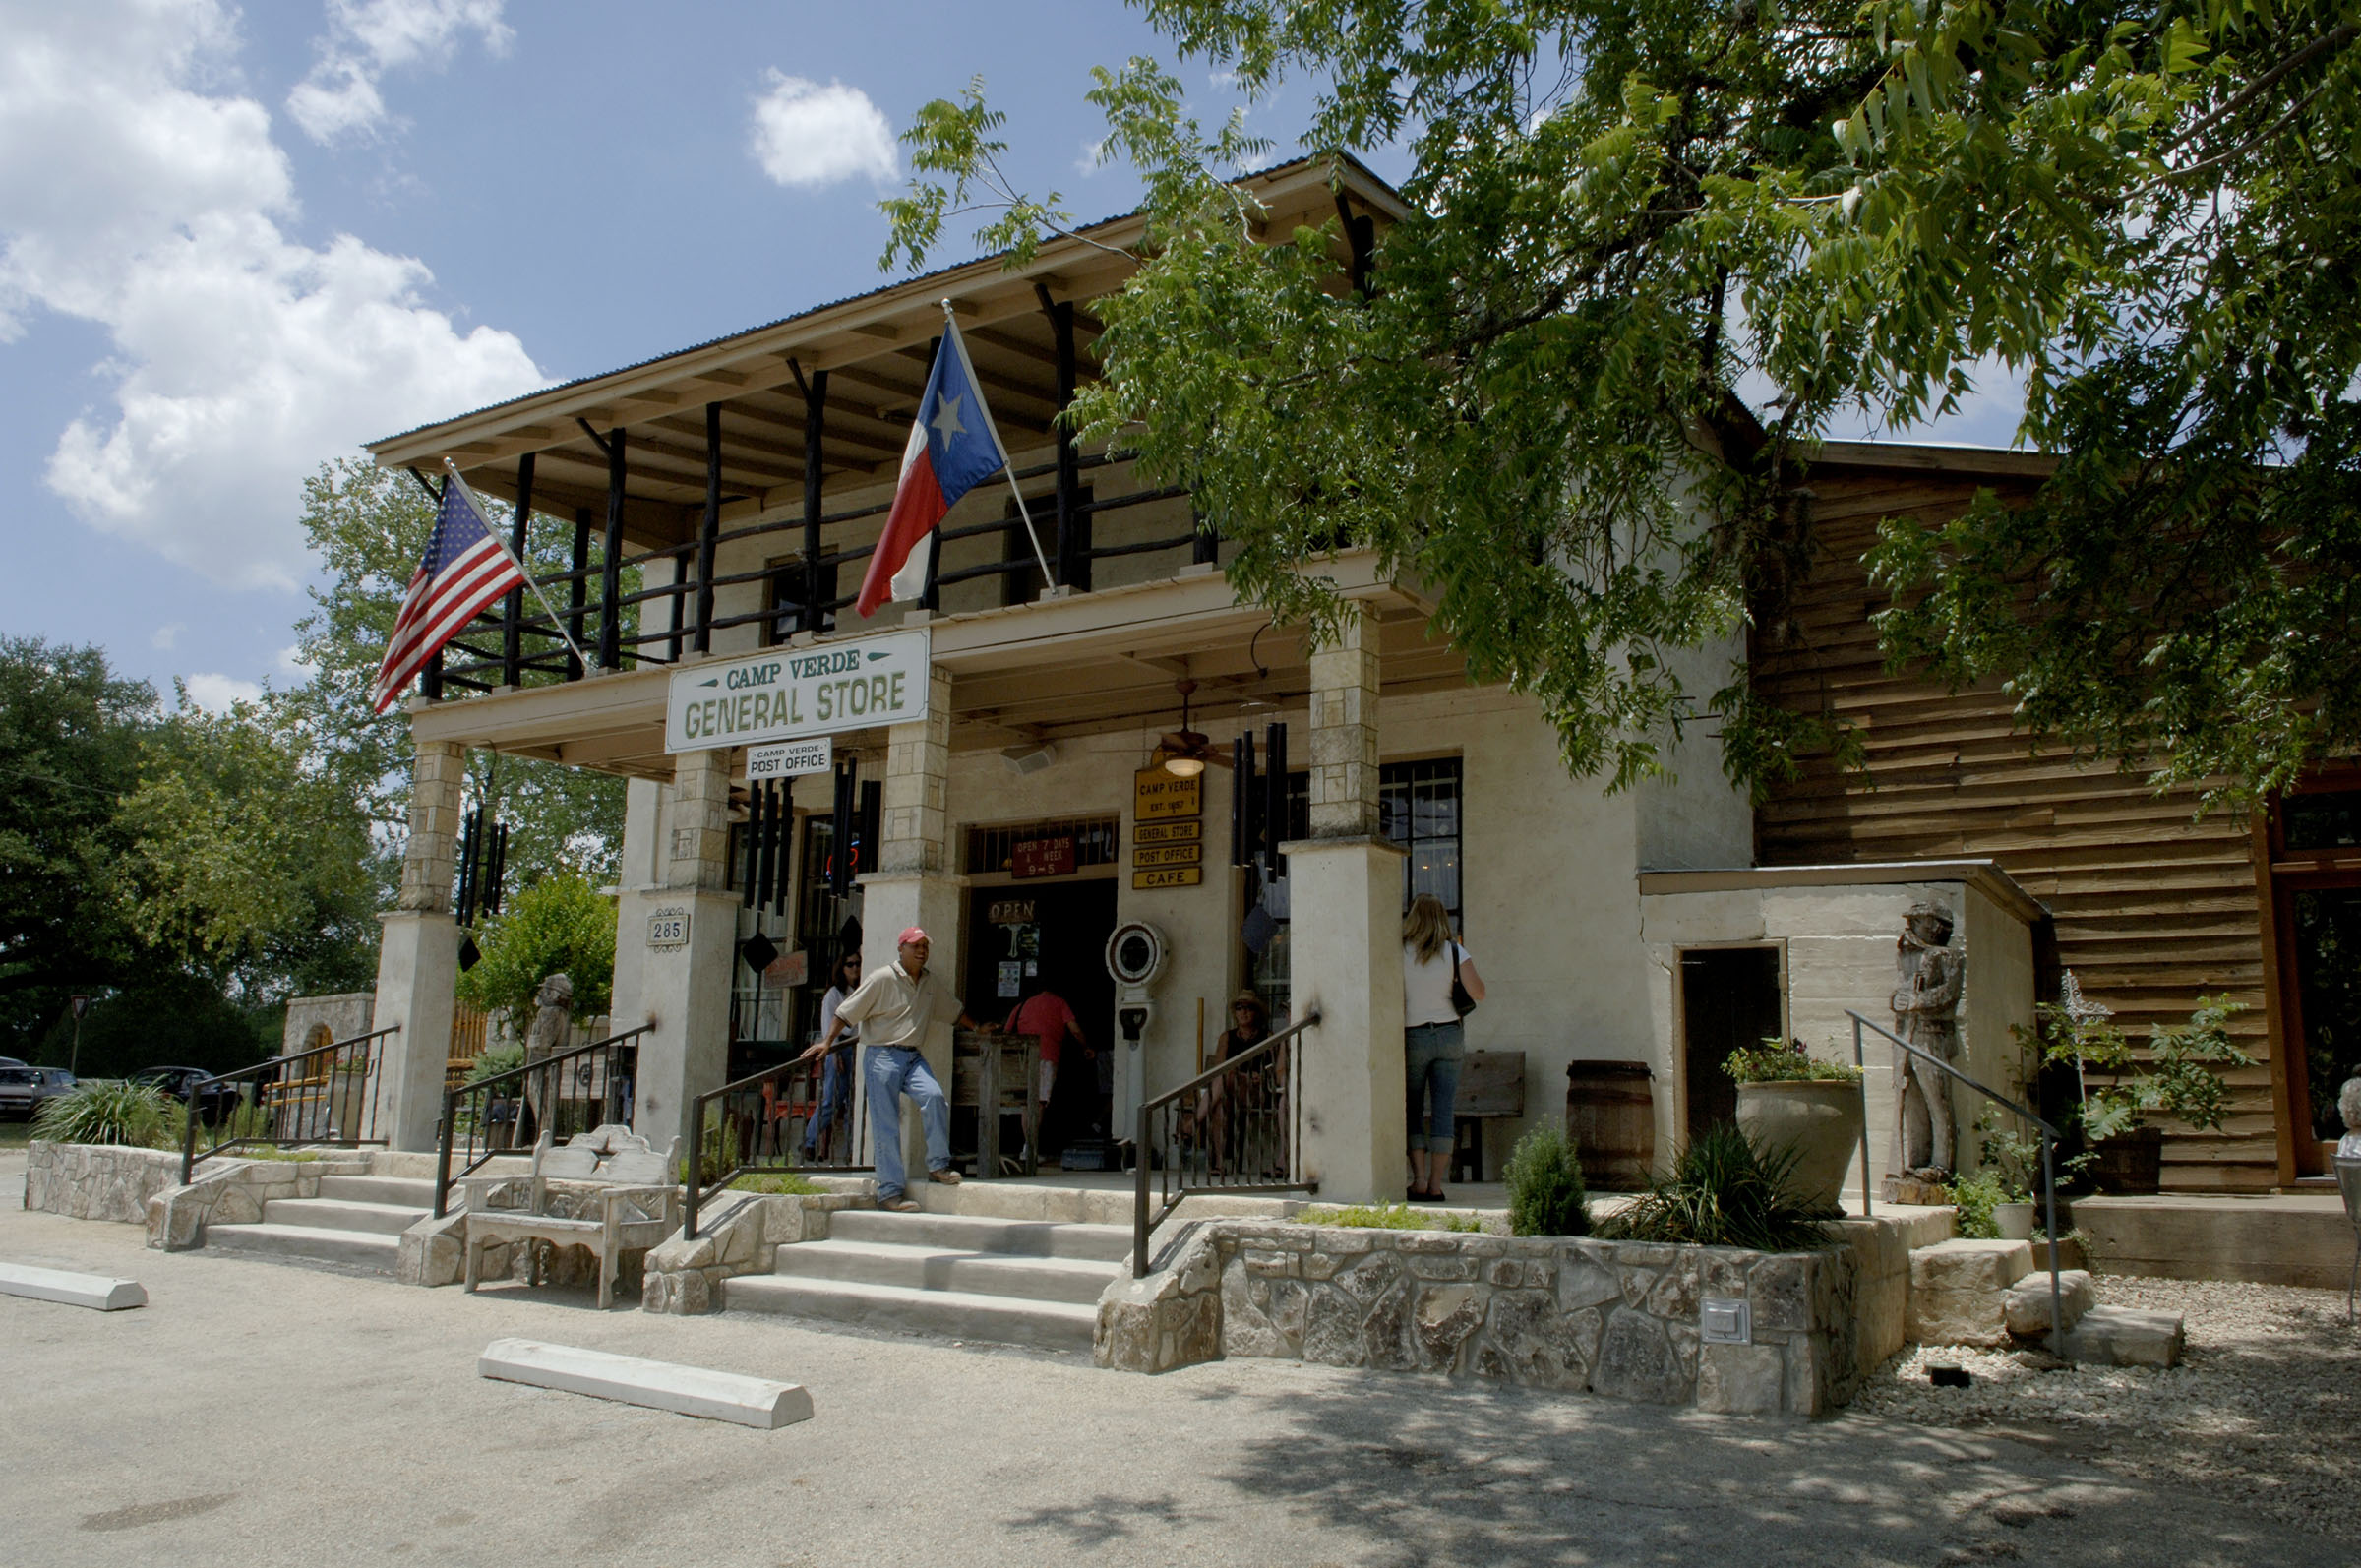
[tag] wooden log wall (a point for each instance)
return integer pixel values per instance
(2152, 904)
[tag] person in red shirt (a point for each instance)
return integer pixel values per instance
(1050, 1020)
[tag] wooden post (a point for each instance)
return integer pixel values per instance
(820, 584)
(1073, 524)
(511, 641)
(708, 540)
(610, 577)
(578, 592)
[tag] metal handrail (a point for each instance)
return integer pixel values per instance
(487, 1088)
(256, 1074)
(1261, 1053)
(699, 1185)
(2050, 1143)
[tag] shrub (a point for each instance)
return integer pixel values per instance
(1386, 1217)
(776, 1183)
(112, 1112)
(1546, 1194)
(1974, 1197)
(1778, 1061)
(561, 924)
(1723, 1191)
(495, 1061)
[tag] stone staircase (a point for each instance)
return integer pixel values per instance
(952, 1273)
(356, 1223)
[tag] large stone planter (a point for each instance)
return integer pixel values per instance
(1819, 1120)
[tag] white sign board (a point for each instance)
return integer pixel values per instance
(668, 927)
(789, 759)
(785, 694)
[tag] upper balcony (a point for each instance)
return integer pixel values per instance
(728, 497)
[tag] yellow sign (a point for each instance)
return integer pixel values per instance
(1169, 876)
(1187, 832)
(1156, 795)
(1167, 855)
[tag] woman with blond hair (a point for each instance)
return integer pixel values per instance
(1431, 1040)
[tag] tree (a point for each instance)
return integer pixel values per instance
(370, 528)
(556, 925)
(251, 859)
(71, 736)
(1625, 216)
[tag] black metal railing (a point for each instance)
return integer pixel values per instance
(334, 1094)
(781, 1118)
(562, 1094)
(667, 612)
(1238, 1126)
(2049, 1140)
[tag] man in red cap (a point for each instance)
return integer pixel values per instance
(896, 1006)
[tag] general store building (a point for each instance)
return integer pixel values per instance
(1017, 799)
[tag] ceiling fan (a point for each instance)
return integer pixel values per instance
(1187, 750)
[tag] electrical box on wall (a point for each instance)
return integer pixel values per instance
(1724, 1320)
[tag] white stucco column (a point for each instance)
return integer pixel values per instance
(418, 955)
(913, 885)
(1345, 936)
(685, 986)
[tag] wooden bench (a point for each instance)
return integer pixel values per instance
(638, 1203)
(1491, 1084)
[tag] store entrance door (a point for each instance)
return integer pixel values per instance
(1050, 936)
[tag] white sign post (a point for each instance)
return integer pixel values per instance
(790, 759)
(788, 693)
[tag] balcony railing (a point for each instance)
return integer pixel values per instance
(656, 625)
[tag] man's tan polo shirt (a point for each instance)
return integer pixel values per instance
(892, 1009)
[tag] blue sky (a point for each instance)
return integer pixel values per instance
(235, 244)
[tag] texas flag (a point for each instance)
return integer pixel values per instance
(952, 448)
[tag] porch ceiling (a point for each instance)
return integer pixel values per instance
(1084, 665)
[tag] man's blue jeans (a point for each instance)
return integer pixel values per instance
(890, 1072)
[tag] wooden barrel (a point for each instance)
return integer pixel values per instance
(1610, 1116)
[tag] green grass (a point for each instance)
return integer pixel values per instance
(776, 1183)
(1385, 1217)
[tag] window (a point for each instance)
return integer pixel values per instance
(1418, 806)
(989, 848)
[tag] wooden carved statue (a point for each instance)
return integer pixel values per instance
(553, 1027)
(1929, 975)
(2348, 1107)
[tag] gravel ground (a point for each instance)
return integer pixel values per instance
(2265, 1407)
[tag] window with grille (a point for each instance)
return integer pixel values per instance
(1096, 841)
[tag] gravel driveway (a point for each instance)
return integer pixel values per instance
(2264, 1409)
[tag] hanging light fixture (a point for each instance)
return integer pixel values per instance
(1185, 751)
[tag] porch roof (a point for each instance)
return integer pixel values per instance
(875, 349)
(1059, 667)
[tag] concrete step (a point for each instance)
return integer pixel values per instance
(1077, 1281)
(965, 1233)
(2124, 1336)
(410, 1192)
(945, 1315)
(342, 1214)
(361, 1249)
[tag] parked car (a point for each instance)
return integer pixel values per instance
(174, 1083)
(23, 1088)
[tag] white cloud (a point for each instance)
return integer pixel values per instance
(367, 39)
(133, 197)
(806, 134)
(1093, 157)
(215, 693)
(164, 636)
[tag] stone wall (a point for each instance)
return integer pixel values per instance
(1620, 1320)
(743, 1232)
(97, 1182)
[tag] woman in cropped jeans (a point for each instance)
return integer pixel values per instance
(1432, 1039)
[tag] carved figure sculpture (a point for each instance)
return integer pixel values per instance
(1929, 975)
(553, 1026)
(2348, 1105)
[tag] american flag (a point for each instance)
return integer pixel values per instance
(465, 570)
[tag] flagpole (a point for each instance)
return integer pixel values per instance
(951, 323)
(555, 620)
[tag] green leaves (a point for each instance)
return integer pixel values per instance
(1625, 216)
(552, 926)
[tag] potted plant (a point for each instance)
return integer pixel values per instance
(2177, 1079)
(1791, 1099)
